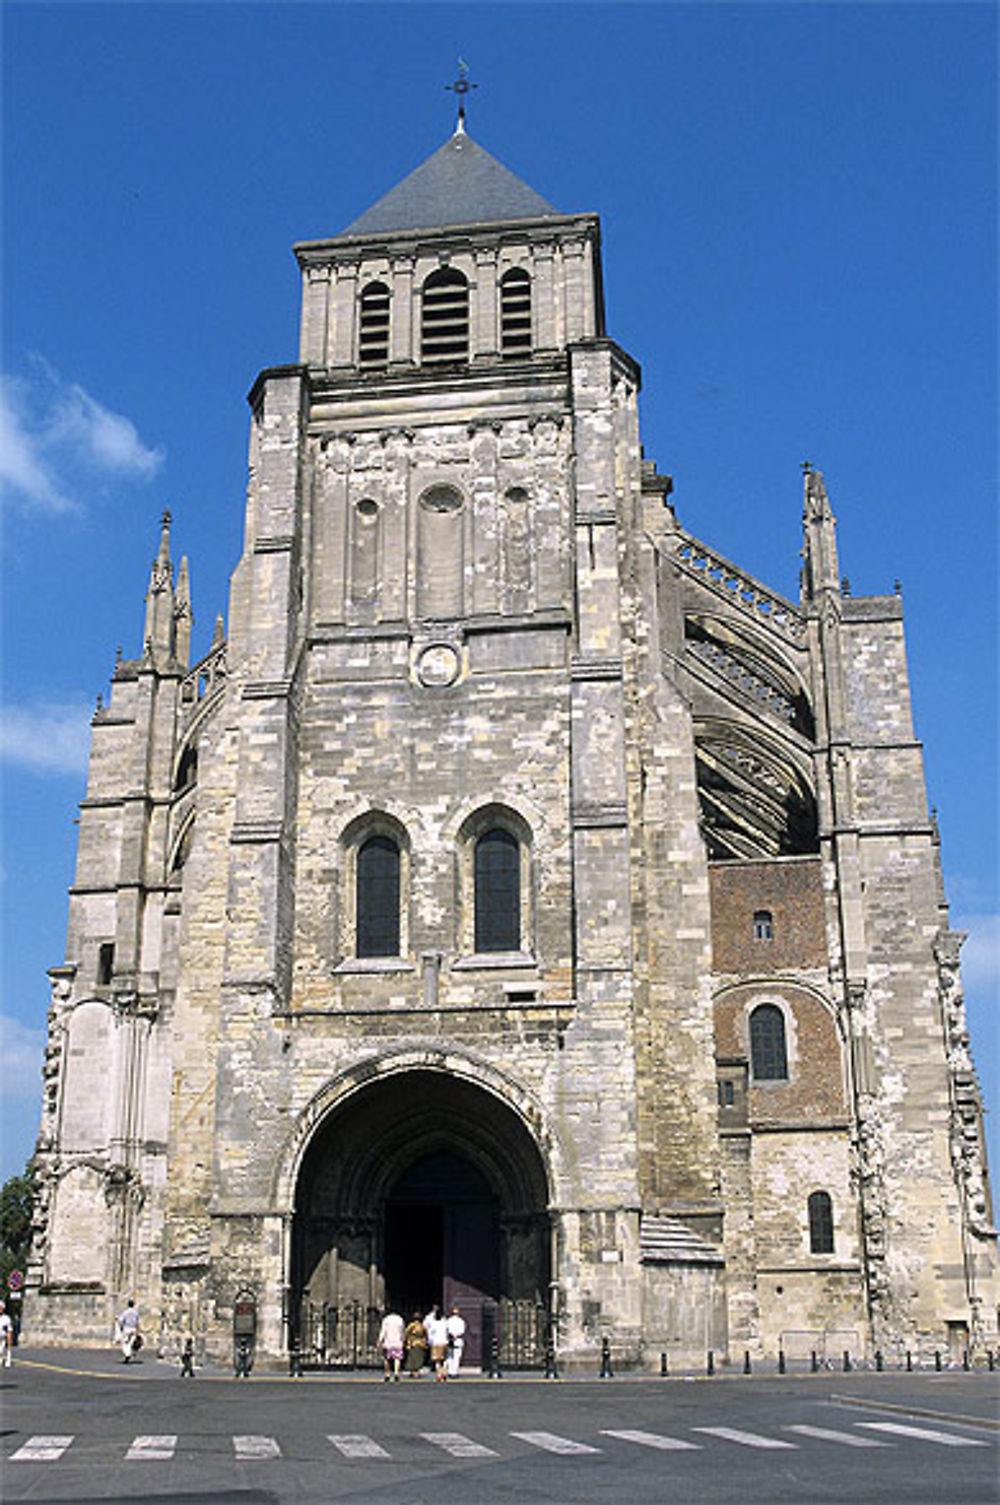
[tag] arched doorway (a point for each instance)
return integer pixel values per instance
(420, 1188)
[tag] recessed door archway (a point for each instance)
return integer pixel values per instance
(421, 1187)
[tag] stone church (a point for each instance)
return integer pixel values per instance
(519, 906)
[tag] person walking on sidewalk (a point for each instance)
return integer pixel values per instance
(128, 1332)
(6, 1335)
(390, 1340)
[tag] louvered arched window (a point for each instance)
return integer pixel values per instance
(768, 1055)
(498, 891)
(444, 334)
(820, 1223)
(373, 335)
(377, 878)
(515, 312)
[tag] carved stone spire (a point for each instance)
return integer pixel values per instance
(160, 599)
(821, 571)
(183, 616)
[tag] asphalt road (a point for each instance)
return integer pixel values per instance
(143, 1434)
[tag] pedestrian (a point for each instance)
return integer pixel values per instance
(437, 1336)
(456, 1341)
(6, 1335)
(391, 1338)
(415, 1346)
(127, 1331)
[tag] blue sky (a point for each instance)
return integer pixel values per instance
(799, 216)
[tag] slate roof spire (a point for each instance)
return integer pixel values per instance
(459, 184)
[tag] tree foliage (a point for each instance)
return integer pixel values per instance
(16, 1200)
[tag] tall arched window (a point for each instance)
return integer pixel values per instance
(444, 334)
(373, 337)
(378, 897)
(515, 312)
(768, 1055)
(498, 891)
(820, 1223)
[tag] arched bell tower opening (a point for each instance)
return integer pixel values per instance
(420, 1188)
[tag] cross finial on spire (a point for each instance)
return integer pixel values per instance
(460, 89)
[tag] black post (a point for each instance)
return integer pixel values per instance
(965, 1358)
(187, 1359)
(607, 1373)
(746, 1361)
(909, 1362)
(781, 1361)
(494, 1369)
(937, 1360)
(711, 1362)
(847, 1361)
(663, 1364)
(814, 1362)
(878, 1360)
(989, 1359)
(295, 1363)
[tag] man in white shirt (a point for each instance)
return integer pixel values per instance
(456, 1341)
(437, 1337)
(128, 1331)
(6, 1335)
(390, 1340)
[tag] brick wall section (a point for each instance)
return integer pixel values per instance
(791, 889)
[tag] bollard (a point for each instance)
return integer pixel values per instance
(607, 1373)
(781, 1361)
(909, 1362)
(814, 1362)
(965, 1358)
(494, 1369)
(847, 1362)
(878, 1360)
(989, 1359)
(937, 1360)
(663, 1365)
(746, 1361)
(711, 1362)
(295, 1364)
(187, 1360)
(551, 1372)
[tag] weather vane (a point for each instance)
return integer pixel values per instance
(460, 88)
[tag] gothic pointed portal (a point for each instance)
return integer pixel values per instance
(420, 1190)
(460, 184)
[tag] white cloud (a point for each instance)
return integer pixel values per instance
(981, 952)
(21, 1052)
(49, 737)
(51, 430)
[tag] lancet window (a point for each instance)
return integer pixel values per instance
(378, 891)
(444, 334)
(768, 1052)
(820, 1208)
(373, 334)
(515, 312)
(498, 891)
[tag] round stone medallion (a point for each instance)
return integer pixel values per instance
(438, 665)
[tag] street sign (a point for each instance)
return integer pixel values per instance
(15, 1280)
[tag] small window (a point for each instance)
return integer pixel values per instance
(378, 897)
(820, 1223)
(498, 891)
(515, 313)
(727, 1096)
(768, 1055)
(373, 339)
(105, 963)
(763, 925)
(444, 332)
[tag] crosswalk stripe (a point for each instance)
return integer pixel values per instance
(654, 1440)
(354, 1445)
(152, 1447)
(549, 1442)
(458, 1446)
(827, 1434)
(256, 1447)
(745, 1439)
(41, 1449)
(924, 1434)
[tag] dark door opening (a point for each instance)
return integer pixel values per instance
(442, 1239)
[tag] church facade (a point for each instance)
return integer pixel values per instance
(520, 906)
